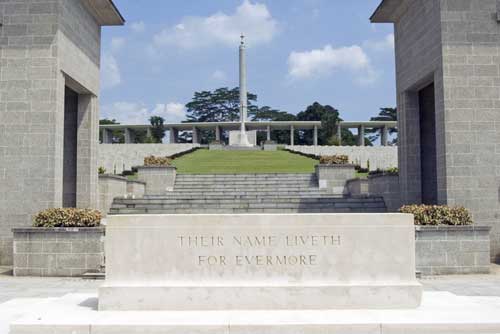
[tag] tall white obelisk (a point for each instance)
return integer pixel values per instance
(243, 95)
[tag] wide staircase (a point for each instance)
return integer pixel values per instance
(247, 193)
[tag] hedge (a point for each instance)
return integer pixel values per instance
(438, 215)
(153, 161)
(334, 160)
(67, 217)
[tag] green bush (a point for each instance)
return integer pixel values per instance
(438, 215)
(388, 171)
(67, 217)
(334, 160)
(153, 161)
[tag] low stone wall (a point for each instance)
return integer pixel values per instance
(380, 157)
(158, 180)
(334, 177)
(116, 158)
(58, 251)
(112, 186)
(386, 186)
(451, 250)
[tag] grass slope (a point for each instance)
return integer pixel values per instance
(243, 162)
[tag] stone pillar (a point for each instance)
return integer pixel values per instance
(174, 136)
(361, 135)
(149, 133)
(339, 134)
(128, 135)
(268, 132)
(107, 136)
(218, 131)
(315, 136)
(196, 135)
(383, 136)
(292, 135)
(88, 141)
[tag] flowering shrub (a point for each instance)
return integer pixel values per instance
(334, 160)
(438, 215)
(67, 217)
(153, 161)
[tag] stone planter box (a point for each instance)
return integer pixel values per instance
(385, 185)
(270, 146)
(112, 186)
(58, 252)
(159, 180)
(334, 177)
(452, 250)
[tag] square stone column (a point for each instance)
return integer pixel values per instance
(218, 133)
(339, 134)
(383, 136)
(107, 136)
(128, 135)
(361, 135)
(315, 136)
(268, 133)
(292, 135)
(174, 136)
(196, 135)
(87, 149)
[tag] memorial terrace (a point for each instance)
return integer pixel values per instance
(267, 126)
(218, 127)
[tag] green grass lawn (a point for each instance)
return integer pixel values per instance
(242, 162)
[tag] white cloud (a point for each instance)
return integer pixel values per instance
(219, 75)
(138, 113)
(386, 44)
(252, 19)
(138, 27)
(110, 71)
(321, 62)
(117, 43)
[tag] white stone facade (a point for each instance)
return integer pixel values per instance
(116, 158)
(378, 157)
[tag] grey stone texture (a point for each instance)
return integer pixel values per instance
(247, 193)
(45, 46)
(455, 45)
(116, 158)
(158, 180)
(377, 157)
(386, 186)
(112, 186)
(56, 252)
(333, 178)
(452, 250)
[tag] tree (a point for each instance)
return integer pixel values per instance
(268, 114)
(385, 115)
(330, 119)
(116, 135)
(158, 130)
(220, 105)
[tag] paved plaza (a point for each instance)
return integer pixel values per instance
(13, 290)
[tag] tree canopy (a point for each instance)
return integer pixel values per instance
(385, 114)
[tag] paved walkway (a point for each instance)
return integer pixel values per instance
(32, 287)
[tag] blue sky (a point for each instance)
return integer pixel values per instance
(299, 52)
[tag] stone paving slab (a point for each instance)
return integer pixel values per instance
(440, 313)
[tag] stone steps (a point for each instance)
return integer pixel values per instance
(247, 193)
